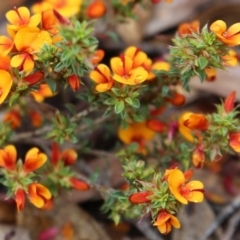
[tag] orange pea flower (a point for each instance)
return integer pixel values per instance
(211, 74)
(38, 195)
(196, 122)
(79, 184)
(137, 132)
(13, 117)
(5, 85)
(96, 9)
(185, 131)
(20, 198)
(74, 82)
(165, 221)
(177, 99)
(8, 157)
(184, 191)
(51, 19)
(140, 197)
(102, 76)
(156, 125)
(28, 41)
(34, 159)
(229, 102)
(20, 17)
(124, 71)
(158, 66)
(67, 8)
(97, 57)
(136, 55)
(43, 92)
(230, 36)
(198, 157)
(36, 118)
(234, 141)
(68, 156)
(231, 59)
(188, 28)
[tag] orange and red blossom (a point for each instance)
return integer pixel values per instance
(183, 190)
(29, 41)
(196, 121)
(38, 195)
(185, 131)
(68, 156)
(136, 55)
(8, 157)
(230, 36)
(231, 59)
(198, 157)
(177, 99)
(20, 198)
(156, 125)
(188, 28)
(74, 82)
(96, 9)
(140, 197)
(234, 141)
(34, 78)
(13, 117)
(101, 75)
(211, 74)
(36, 118)
(138, 133)
(43, 92)
(165, 221)
(34, 159)
(79, 184)
(124, 71)
(229, 102)
(20, 17)
(97, 57)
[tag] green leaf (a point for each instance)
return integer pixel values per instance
(119, 106)
(128, 100)
(135, 103)
(13, 98)
(110, 101)
(203, 62)
(165, 91)
(52, 84)
(71, 108)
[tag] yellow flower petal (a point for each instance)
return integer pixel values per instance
(219, 27)
(17, 60)
(5, 85)
(19, 16)
(6, 45)
(175, 180)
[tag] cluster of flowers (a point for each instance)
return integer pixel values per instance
(133, 67)
(28, 34)
(180, 188)
(22, 181)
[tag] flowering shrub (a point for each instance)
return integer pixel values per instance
(53, 51)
